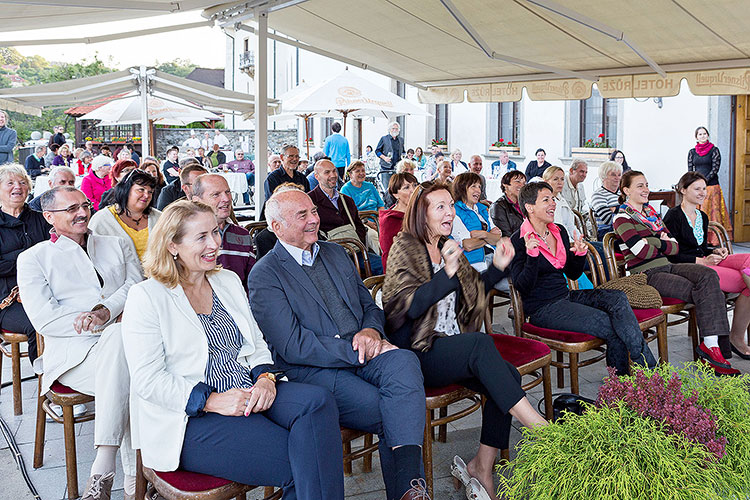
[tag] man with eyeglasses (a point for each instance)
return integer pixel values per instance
(73, 287)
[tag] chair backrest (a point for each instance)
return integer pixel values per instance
(255, 227)
(614, 267)
(581, 224)
(370, 215)
(356, 250)
(592, 218)
(722, 234)
(518, 315)
(375, 285)
(596, 267)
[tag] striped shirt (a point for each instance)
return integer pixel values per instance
(602, 201)
(643, 249)
(223, 371)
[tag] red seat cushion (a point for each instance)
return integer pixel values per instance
(559, 335)
(670, 301)
(619, 256)
(646, 314)
(517, 350)
(431, 392)
(61, 389)
(192, 481)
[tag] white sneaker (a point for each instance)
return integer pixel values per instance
(78, 410)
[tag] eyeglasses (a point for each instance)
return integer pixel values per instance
(74, 208)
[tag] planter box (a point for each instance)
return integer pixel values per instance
(512, 150)
(601, 154)
(443, 148)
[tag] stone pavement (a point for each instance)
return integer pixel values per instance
(463, 435)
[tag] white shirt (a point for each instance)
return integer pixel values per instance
(192, 142)
(221, 140)
(302, 257)
(564, 216)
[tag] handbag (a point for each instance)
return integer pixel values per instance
(13, 296)
(346, 230)
(639, 293)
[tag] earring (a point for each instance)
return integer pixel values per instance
(174, 256)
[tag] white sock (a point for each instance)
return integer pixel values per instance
(105, 460)
(711, 341)
(129, 485)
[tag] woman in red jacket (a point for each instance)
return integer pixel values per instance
(400, 188)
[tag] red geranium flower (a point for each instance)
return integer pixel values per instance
(601, 135)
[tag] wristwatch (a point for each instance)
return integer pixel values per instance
(269, 375)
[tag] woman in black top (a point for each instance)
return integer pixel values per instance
(543, 258)
(689, 226)
(536, 168)
(705, 159)
(505, 212)
(20, 228)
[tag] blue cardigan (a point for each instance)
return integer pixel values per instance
(472, 222)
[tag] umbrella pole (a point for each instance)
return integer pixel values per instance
(345, 112)
(307, 143)
(145, 132)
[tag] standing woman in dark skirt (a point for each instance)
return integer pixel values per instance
(20, 228)
(705, 158)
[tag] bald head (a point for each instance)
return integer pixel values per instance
(293, 217)
(327, 175)
(475, 164)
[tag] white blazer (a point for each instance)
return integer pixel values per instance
(167, 354)
(57, 282)
(104, 222)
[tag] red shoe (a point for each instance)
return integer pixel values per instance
(712, 356)
(723, 372)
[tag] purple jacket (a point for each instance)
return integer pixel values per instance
(237, 251)
(243, 166)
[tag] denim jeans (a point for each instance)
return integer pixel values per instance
(250, 176)
(605, 314)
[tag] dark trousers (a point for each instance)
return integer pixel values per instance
(13, 318)
(295, 444)
(605, 314)
(697, 285)
(383, 397)
(471, 360)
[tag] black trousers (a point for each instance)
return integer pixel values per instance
(13, 318)
(471, 360)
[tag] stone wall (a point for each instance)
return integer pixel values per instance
(166, 137)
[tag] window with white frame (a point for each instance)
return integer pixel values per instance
(598, 121)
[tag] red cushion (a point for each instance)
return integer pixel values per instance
(670, 301)
(559, 335)
(192, 481)
(431, 392)
(619, 256)
(646, 314)
(61, 389)
(517, 350)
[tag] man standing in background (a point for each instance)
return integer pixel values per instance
(336, 147)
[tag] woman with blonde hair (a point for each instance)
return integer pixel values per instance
(406, 166)
(555, 177)
(206, 397)
(63, 156)
(458, 166)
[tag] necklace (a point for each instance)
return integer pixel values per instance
(136, 221)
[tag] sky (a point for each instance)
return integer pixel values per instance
(202, 46)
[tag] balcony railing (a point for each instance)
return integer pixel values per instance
(247, 62)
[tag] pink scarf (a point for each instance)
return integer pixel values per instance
(703, 149)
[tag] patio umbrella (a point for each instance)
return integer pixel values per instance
(162, 111)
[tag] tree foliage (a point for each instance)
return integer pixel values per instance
(178, 67)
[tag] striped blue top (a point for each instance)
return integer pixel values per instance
(223, 371)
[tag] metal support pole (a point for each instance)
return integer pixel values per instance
(261, 110)
(145, 131)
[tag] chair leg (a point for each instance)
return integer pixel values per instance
(573, 356)
(505, 454)
(427, 451)
(693, 331)
(41, 427)
(71, 466)
(2, 356)
(367, 459)
(140, 480)
(15, 363)
(560, 370)
(347, 461)
(443, 429)
(661, 341)
(547, 385)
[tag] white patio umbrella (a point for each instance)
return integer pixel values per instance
(162, 111)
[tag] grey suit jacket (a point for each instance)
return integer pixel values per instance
(294, 318)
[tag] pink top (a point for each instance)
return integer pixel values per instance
(93, 187)
(558, 259)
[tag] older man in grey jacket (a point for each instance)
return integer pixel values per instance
(8, 139)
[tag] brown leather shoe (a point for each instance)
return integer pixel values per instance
(418, 491)
(99, 487)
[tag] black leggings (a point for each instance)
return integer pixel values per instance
(471, 360)
(13, 318)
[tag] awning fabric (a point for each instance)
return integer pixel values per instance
(33, 99)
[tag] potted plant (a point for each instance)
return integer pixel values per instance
(657, 435)
(442, 144)
(511, 147)
(593, 149)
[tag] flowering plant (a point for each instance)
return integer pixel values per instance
(600, 142)
(502, 144)
(439, 142)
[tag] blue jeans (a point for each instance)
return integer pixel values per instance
(295, 444)
(605, 314)
(250, 186)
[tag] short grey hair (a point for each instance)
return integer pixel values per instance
(239, 150)
(101, 161)
(273, 205)
(47, 201)
(40, 147)
(607, 167)
(85, 154)
(577, 162)
(14, 170)
(287, 147)
(198, 186)
(397, 124)
(58, 170)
